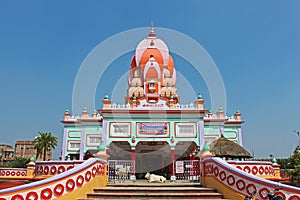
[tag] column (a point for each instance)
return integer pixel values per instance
(133, 160)
(82, 143)
(64, 145)
(104, 132)
(173, 177)
(201, 135)
(222, 130)
(240, 139)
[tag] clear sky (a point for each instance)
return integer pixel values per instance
(255, 44)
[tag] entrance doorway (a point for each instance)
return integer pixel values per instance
(153, 157)
(119, 150)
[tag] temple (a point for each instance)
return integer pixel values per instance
(151, 128)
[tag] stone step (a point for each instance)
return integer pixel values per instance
(145, 184)
(147, 195)
(140, 189)
(144, 190)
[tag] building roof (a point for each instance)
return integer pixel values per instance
(224, 147)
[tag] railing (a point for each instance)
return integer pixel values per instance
(63, 184)
(187, 170)
(258, 168)
(50, 168)
(120, 170)
(190, 106)
(224, 177)
(13, 172)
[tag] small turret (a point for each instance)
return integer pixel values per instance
(106, 102)
(199, 102)
(134, 102)
(67, 115)
(220, 113)
(172, 102)
(210, 114)
(94, 115)
(237, 115)
(85, 113)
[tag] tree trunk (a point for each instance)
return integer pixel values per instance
(45, 151)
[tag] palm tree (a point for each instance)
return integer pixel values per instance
(43, 143)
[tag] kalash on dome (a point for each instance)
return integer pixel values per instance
(151, 131)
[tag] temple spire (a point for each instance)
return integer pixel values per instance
(152, 33)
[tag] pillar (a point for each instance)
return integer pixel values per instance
(30, 168)
(133, 160)
(173, 177)
(82, 143)
(64, 145)
(240, 135)
(201, 135)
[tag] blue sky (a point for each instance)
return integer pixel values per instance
(255, 44)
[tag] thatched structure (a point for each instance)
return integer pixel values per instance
(224, 147)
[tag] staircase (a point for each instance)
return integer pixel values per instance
(154, 191)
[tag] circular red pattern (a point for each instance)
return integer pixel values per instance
(46, 170)
(56, 190)
(247, 169)
(281, 194)
(18, 173)
(94, 171)
(271, 170)
(61, 169)
(216, 171)
(78, 182)
(23, 173)
(13, 173)
(17, 196)
(222, 175)
(70, 185)
(294, 197)
(53, 170)
(254, 170)
(32, 194)
(250, 186)
(267, 170)
(46, 193)
(230, 180)
(261, 170)
(239, 167)
(87, 176)
(238, 184)
(262, 192)
(3, 173)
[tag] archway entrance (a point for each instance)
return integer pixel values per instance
(119, 150)
(185, 150)
(153, 157)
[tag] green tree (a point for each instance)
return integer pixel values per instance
(43, 142)
(17, 162)
(294, 165)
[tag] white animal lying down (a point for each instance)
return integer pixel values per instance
(155, 178)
